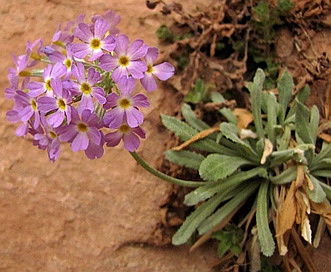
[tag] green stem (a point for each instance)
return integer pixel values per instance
(146, 166)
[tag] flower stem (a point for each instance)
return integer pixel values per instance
(146, 166)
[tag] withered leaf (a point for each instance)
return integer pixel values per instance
(201, 135)
(245, 117)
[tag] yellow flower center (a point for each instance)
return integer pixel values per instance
(33, 104)
(68, 63)
(82, 127)
(59, 43)
(52, 134)
(35, 56)
(124, 61)
(95, 44)
(48, 85)
(124, 103)
(85, 88)
(24, 73)
(149, 68)
(61, 104)
(124, 128)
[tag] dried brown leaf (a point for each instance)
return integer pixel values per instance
(268, 148)
(325, 137)
(288, 211)
(201, 135)
(245, 117)
(323, 209)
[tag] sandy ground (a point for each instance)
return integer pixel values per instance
(77, 214)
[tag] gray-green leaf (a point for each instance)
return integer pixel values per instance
(265, 237)
(185, 158)
(317, 194)
(285, 87)
(217, 166)
(195, 218)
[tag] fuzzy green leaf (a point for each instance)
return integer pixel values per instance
(325, 173)
(195, 218)
(303, 94)
(224, 186)
(325, 153)
(215, 166)
(265, 237)
(297, 153)
(314, 122)
(317, 194)
(285, 88)
(302, 126)
(185, 158)
(186, 132)
(327, 189)
(230, 131)
(271, 117)
(192, 119)
(242, 193)
(285, 176)
(255, 89)
(284, 141)
(323, 164)
(259, 78)
(226, 112)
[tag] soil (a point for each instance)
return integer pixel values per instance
(106, 214)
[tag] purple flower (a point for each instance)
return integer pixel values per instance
(13, 117)
(125, 106)
(86, 87)
(12, 91)
(112, 18)
(58, 105)
(82, 131)
(127, 60)
(65, 58)
(162, 71)
(95, 150)
(128, 135)
(47, 138)
(34, 55)
(94, 41)
(27, 108)
(64, 36)
(21, 62)
(37, 88)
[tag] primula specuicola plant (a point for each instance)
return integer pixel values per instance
(80, 84)
(81, 90)
(276, 162)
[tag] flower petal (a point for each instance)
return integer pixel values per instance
(114, 118)
(137, 50)
(151, 55)
(163, 71)
(80, 142)
(113, 138)
(148, 82)
(140, 100)
(134, 117)
(131, 142)
(108, 62)
(137, 69)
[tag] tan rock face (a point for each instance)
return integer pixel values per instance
(76, 214)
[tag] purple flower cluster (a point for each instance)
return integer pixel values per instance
(82, 85)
